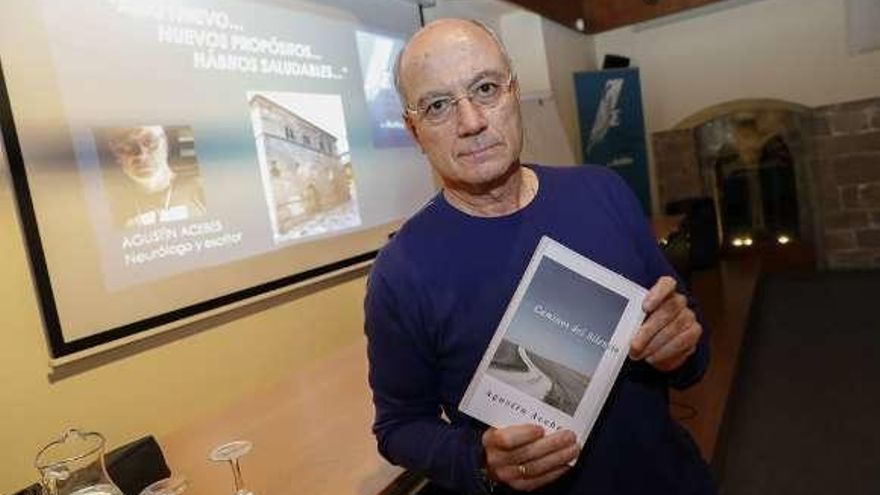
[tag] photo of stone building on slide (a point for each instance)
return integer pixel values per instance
(306, 169)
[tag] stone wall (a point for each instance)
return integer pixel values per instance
(846, 167)
(677, 166)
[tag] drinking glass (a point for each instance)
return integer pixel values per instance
(231, 452)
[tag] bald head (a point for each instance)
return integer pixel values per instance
(442, 33)
(462, 103)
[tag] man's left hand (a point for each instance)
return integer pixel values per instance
(670, 331)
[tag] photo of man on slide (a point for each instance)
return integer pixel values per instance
(151, 174)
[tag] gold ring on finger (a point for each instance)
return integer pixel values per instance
(523, 472)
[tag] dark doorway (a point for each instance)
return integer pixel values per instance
(758, 201)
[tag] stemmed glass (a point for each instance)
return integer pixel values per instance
(231, 452)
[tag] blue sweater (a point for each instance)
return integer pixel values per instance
(435, 296)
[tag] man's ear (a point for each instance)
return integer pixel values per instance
(411, 127)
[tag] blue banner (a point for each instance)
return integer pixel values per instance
(613, 127)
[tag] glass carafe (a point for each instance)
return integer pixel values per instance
(74, 465)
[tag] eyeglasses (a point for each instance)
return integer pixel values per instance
(485, 94)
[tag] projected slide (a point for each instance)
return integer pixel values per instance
(206, 146)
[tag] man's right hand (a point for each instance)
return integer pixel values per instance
(523, 457)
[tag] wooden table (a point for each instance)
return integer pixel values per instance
(311, 435)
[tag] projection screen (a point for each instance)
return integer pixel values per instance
(173, 158)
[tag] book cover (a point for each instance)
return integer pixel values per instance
(559, 346)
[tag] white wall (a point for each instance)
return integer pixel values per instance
(794, 50)
(567, 52)
(521, 33)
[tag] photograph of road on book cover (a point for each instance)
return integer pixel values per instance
(559, 346)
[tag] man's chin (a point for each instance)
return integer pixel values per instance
(489, 173)
(139, 174)
(150, 183)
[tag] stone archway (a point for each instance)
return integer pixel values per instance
(738, 106)
(744, 155)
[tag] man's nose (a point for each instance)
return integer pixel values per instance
(471, 119)
(142, 151)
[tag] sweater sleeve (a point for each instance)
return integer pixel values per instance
(656, 265)
(408, 426)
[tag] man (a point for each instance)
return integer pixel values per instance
(441, 285)
(155, 194)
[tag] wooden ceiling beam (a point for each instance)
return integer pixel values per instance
(603, 15)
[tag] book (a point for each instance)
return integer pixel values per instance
(559, 346)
